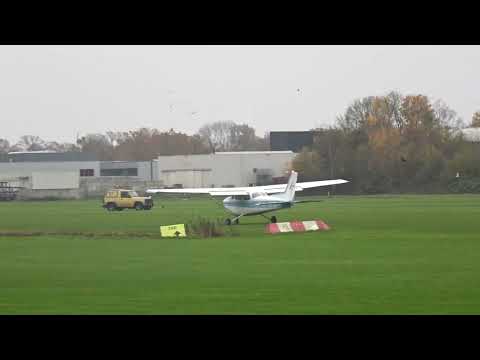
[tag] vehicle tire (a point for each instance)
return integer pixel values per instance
(147, 208)
(228, 222)
(273, 219)
(138, 206)
(111, 206)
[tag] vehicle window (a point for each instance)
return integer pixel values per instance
(133, 193)
(254, 195)
(124, 194)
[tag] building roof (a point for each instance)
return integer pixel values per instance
(31, 152)
(47, 156)
(252, 152)
(233, 153)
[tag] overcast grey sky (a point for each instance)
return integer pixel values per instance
(56, 92)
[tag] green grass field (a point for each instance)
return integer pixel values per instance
(384, 255)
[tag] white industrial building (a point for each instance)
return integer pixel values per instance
(45, 175)
(72, 175)
(224, 169)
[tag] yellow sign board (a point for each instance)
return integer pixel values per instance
(173, 230)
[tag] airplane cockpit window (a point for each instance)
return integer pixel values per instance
(241, 197)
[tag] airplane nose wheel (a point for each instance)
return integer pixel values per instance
(273, 219)
(236, 222)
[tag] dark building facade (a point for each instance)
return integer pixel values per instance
(290, 140)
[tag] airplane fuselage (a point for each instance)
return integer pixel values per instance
(255, 206)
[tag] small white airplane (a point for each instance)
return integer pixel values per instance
(256, 200)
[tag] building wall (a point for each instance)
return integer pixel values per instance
(62, 179)
(51, 180)
(44, 194)
(290, 140)
(145, 169)
(22, 169)
(221, 169)
(88, 187)
(188, 178)
(12, 170)
(96, 187)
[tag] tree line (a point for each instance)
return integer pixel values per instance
(394, 144)
(147, 143)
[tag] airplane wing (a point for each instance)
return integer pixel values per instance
(210, 191)
(228, 192)
(274, 189)
(269, 189)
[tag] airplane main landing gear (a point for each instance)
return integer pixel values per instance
(234, 220)
(273, 219)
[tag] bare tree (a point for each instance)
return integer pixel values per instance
(217, 135)
(4, 146)
(447, 117)
(61, 147)
(98, 144)
(229, 136)
(357, 114)
(30, 143)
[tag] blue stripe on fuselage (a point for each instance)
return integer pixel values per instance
(258, 207)
(256, 204)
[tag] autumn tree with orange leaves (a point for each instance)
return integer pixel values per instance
(391, 143)
(476, 119)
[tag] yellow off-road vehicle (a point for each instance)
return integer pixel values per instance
(119, 199)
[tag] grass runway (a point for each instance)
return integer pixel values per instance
(384, 255)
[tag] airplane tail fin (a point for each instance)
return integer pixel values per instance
(290, 189)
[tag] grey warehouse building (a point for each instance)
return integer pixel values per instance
(44, 174)
(225, 169)
(291, 140)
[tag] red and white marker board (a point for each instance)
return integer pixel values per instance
(296, 226)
